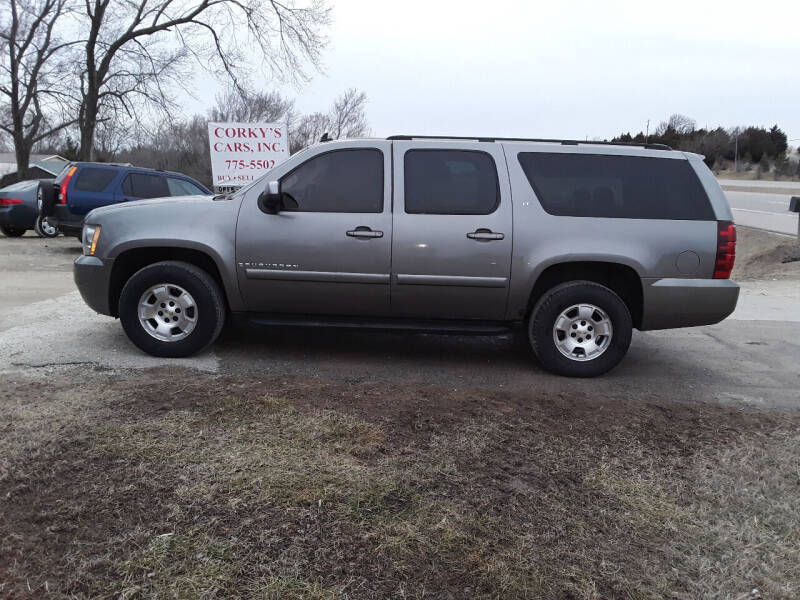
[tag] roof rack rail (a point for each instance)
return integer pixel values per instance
(515, 139)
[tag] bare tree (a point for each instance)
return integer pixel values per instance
(252, 106)
(137, 50)
(347, 115)
(34, 105)
(309, 129)
(110, 137)
(346, 118)
(677, 124)
(182, 145)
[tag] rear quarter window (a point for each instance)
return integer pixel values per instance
(613, 186)
(63, 173)
(145, 185)
(93, 179)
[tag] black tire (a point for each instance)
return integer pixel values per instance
(41, 231)
(200, 285)
(557, 300)
(46, 198)
(12, 232)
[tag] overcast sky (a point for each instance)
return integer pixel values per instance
(567, 69)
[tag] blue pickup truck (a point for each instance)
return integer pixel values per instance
(83, 186)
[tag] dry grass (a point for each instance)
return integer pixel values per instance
(198, 486)
(763, 255)
(751, 176)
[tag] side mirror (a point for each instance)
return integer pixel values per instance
(269, 200)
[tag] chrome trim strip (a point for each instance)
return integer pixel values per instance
(489, 282)
(323, 276)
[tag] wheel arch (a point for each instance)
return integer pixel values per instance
(620, 277)
(129, 261)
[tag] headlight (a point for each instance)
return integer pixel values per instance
(91, 233)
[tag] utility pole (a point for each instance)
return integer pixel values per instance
(647, 135)
(736, 156)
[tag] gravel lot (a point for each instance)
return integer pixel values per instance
(317, 464)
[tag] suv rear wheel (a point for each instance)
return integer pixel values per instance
(580, 329)
(43, 228)
(172, 309)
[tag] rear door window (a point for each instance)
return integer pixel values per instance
(92, 179)
(145, 185)
(181, 187)
(450, 182)
(614, 186)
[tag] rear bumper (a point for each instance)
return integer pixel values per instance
(670, 303)
(93, 277)
(18, 216)
(63, 220)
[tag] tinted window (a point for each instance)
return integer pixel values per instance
(450, 182)
(346, 181)
(94, 180)
(630, 187)
(181, 187)
(63, 173)
(144, 185)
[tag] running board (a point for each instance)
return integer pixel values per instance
(376, 324)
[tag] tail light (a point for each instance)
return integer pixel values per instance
(62, 195)
(726, 249)
(10, 201)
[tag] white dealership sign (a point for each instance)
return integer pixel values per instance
(243, 152)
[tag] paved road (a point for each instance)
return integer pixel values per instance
(750, 358)
(764, 206)
(742, 360)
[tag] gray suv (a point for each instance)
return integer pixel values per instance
(579, 242)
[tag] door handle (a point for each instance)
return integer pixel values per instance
(486, 235)
(364, 233)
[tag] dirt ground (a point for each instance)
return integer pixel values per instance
(383, 481)
(173, 484)
(762, 255)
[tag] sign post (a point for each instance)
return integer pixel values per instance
(243, 152)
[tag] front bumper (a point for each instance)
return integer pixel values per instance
(93, 278)
(670, 303)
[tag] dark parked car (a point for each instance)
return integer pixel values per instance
(19, 213)
(81, 187)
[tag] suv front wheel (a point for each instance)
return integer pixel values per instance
(580, 329)
(172, 309)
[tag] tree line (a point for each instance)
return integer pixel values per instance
(722, 148)
(181, 145)
(90, 67)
